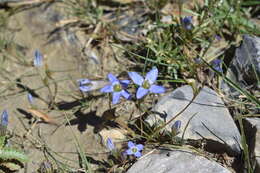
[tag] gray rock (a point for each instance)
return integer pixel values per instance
(130, 24)
(5, 1)
(244, 69)
(177, 162)
(253, 135)
(212, 120)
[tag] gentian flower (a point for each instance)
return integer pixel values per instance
(187, 22)
(30, 98)
(117, 87)
(146, 85)
(216, 63)
(86, 85)
(197, 60)
(217, 37)
(176, 127)
(83, 85)
(4, 118)
(46, 166)
(134, 149)
(38, 58)
(110, 145)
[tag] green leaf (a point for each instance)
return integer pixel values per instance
(257, 2)
(2, 141)
(11, 154)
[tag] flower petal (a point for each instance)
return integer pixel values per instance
(125, 83)
(138, 154)
(115, 83)
(111, 78)
(37, 58)
(129, 152)
(141, 92)
(83, 81)
(124, 154)
(176, 125)
(152, 75)
(136, 78)
(139, 147)
(217, 65)
(30, 98)
(116, 97)
(219, 69)
(125, 94)
(187, 22)
(110, 145)
(107, 89)
(4, 118)
(84, 88)
(217, 62)
(130, 144)
(157, 89)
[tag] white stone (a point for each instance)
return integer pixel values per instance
(176, 162)
(212, 120)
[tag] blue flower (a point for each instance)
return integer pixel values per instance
(86, 85)
(30, 98)
(117, 87)
(46, 166)
(216, 64)
(217, 37)
(83, 85)
(134, 149)
(146, 85)
(38, 58)
(198, 60)
(187, 22)
(176, 127)
(110, 145)
(4, 118)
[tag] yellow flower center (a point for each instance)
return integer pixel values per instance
(134, 150)
(117, 87)
(146, 84)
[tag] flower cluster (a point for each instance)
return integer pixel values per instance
(118, 88)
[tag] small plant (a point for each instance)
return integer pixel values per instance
(10, 158)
